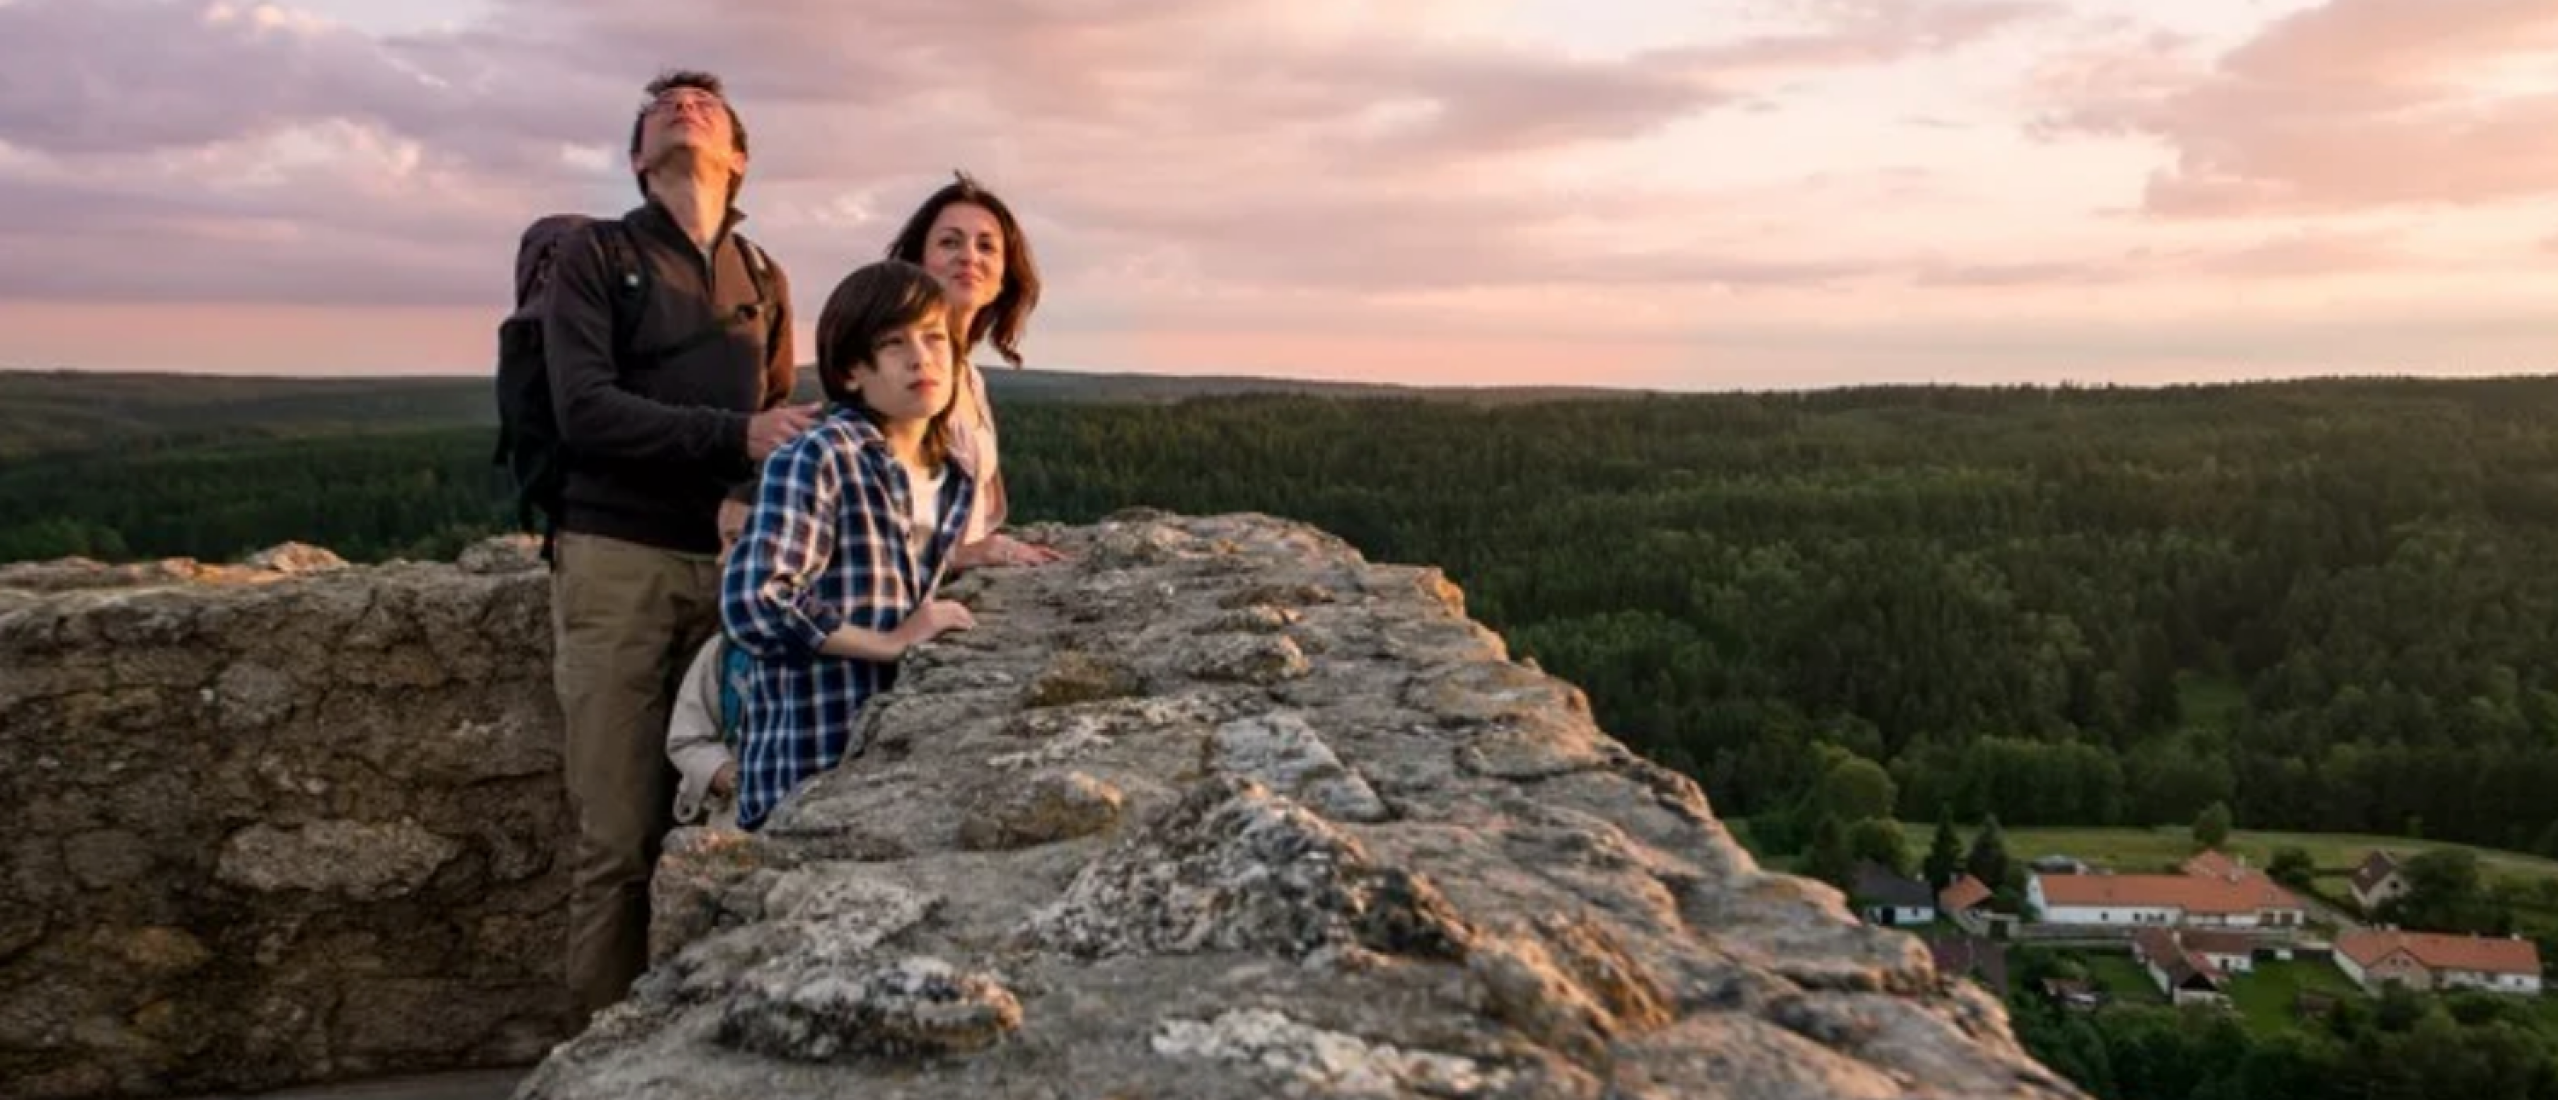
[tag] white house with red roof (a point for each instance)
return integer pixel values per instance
(2433, 960)
(2187, 976)
(2211, 891)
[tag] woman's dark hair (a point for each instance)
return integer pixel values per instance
(1003, 319)
(873, 301)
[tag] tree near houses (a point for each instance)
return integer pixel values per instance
(2211, 827)
(1879, 840)
(1988, 859)
(1830, 859)
(2292, 867)
(1856, 789)
(2445, 894)
(1944, 853)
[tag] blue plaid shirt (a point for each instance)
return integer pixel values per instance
(826, 545)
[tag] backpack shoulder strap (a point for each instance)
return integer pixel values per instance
(630, 280)
(759, 267)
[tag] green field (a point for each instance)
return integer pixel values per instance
(2135, 850)
(2265, 995)
(2334, 853)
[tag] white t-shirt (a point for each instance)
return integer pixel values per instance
(972, 445)
(924, 493)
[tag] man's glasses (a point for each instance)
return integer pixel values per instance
(677, 104)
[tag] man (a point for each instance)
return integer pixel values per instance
(658, 424)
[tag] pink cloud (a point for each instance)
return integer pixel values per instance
(1868, 32)
(2297, 254)
(2353, 105)
(267, 160)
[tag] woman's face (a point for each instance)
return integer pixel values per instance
(964, 252)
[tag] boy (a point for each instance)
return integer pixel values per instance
(852, 528)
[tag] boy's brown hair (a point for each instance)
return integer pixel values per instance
(872, 302)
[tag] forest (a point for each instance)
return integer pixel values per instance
(2328, 605)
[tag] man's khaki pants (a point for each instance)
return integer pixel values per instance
(624, 620)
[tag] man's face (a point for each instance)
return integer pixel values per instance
(688, 122)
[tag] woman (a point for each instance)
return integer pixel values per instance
(973, 246)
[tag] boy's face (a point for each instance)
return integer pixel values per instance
(907, 375)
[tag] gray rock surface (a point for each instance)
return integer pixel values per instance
(275, 823)
(1219, 809)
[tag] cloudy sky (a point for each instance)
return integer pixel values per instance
(1683, 194)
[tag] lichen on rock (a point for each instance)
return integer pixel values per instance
(915, 1006)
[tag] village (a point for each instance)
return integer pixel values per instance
(2215, 931)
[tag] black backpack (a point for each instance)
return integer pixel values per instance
(529, 448)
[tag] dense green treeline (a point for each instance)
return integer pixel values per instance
(370, 497)
(2330, 605)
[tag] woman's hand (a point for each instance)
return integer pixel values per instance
(1004, 550)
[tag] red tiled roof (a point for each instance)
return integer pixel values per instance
(2211, 864)
(1961, 894)
(2192, 893)
(2479, 954)
(2159, 945)
(2215, 942)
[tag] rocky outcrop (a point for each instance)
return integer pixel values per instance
(1220, 809)
(1215, 809)
(275, 822)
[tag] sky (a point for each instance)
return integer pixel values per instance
(1680, 195)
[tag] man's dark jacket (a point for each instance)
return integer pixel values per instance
(654, 443)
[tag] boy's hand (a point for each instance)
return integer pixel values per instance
(934, 619)
(724, 781)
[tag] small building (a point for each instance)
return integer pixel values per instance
(2055, 863)
(1887, 897)
(2432, 960)
(2231, 952)
(1965, 901)
(2073, 993)
(2379, 878)
(2185, 976)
